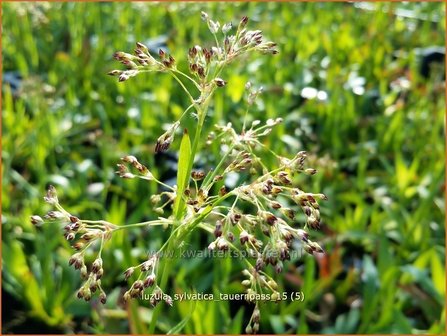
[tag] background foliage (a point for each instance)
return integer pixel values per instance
(347, 82)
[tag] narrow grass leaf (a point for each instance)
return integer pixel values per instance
(182, 173)
(179, 326)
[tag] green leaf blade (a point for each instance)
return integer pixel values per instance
(179, 326)
(182, 173)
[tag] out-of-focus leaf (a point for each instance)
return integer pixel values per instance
(438, 273)
(277, 323)
(370, 280)
(236, 326)
(401, 324)
(421, 277)
(347, 323)
(18, 269)
(136, 324)
(178, 328)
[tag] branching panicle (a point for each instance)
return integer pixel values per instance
(260, 222)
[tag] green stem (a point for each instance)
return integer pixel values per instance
(210, 177)
(202, 110)
(101, 246)
(188, 77)
(166, 269)
(183, 86)
(175, 237)
(149, 223)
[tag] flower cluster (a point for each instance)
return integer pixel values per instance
(132, 161)
(261, 218)
(83, 234)
(202, 60)
(146, 279)
(270, 195)
(86, 234)
(142, 60)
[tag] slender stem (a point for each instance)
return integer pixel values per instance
(153, 178)
(269, 173)
(169, 240)
(102, 245)
(265, 147)
(245, 119)
(61, 209)
(254, 155)
(244, 258)
(149, 223)
(183, 86)
(201, 114)
(175, 236)
(166, 269)
(184, 112)
(162, 183)
(210, 178)
(207, 227)
(188, 77)
(102, 222)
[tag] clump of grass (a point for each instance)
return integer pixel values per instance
(255, 219)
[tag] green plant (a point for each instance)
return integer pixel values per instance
(259, 212)
(380, 161)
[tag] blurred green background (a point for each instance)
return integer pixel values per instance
(360, 87)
